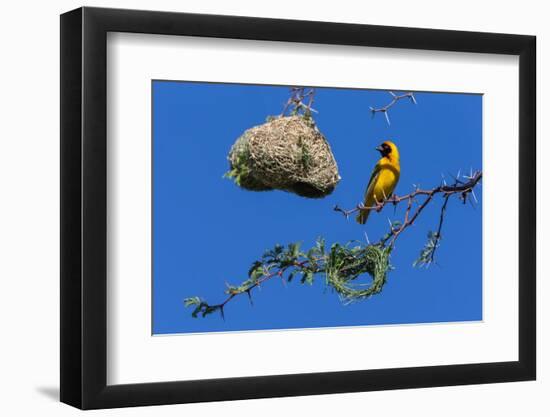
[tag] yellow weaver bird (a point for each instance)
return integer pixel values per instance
(383, 180)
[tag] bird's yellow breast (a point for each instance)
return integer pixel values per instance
(385, 184)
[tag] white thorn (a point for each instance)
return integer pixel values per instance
(474, 195)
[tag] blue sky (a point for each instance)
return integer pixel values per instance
(207, 231)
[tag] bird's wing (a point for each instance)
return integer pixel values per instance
(369, 193)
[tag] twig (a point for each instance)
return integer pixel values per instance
(340, 264)
(297, 101)
(457, 188)
(438, 233)
(463, 189)
(395, 98)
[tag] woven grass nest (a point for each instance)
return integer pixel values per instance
(285, 153)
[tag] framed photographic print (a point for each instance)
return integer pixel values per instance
(355, 203)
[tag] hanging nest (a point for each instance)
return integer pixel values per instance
(285, 153)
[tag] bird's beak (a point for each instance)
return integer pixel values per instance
(379, 149)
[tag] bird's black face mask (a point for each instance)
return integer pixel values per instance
(384, 149)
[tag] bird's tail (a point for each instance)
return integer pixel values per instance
(362, 216)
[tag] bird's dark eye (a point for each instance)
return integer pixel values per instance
(386, 148)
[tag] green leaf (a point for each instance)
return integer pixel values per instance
(191, 301)
(425, 258)
(294, 249)
(307, 277)
(255, 266)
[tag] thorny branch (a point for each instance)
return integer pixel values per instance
(395, 98)
(343, 264)
(234, 291)
(437, 236)
(297, 101)
(464, 188)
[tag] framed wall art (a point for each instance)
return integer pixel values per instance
(256, 208)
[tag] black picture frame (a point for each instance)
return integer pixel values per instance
(84, 207)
